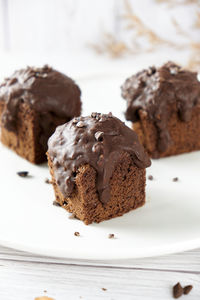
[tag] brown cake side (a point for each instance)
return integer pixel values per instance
(185, 136)
(26, 142)
(127, 192)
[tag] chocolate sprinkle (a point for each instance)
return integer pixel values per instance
(111, 236)
(48, 181)
(177, 290)
(76, 233)
(175, 179)
(187, 289)
(166, 90)
(23, 173)
(99, 136)
(80, 146)
(150, 177)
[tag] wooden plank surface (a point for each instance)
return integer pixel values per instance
(187, 261)
(25, 276)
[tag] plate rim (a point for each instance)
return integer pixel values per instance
(153, 251)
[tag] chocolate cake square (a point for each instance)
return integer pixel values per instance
(98, 168)
(33, 102)
(164, 106)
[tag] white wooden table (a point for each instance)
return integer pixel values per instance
(24, 276)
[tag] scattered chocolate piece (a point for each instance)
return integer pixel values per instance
(187, 289)
(111, 236)
(175, 179)
(104, 289)
(177, 290)
(76, 233)
(56, 203)
(48, 181)
(150, 177)
(23, 173)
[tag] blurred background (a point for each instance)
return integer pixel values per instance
(87, 36)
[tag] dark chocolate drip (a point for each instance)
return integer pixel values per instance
(98, 141)
(160, 92)
(47, 91)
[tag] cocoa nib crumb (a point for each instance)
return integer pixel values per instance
(104, 289)
(175, 179)
(177, 290)
(76, 233)
(99, 136)
(56, 203)
(150, 177)
(47, 180)
(23, 173)
(111, 236)
(187, 289)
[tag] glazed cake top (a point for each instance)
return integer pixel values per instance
(97, 140)
(159, 92)
(44, 89)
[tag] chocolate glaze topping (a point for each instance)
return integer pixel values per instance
(97, 140)
(48, 91)
(160, 92)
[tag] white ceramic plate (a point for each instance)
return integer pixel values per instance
(169, 222)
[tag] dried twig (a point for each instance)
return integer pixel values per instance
(112, 46)
(140, 29)
(116, 47)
